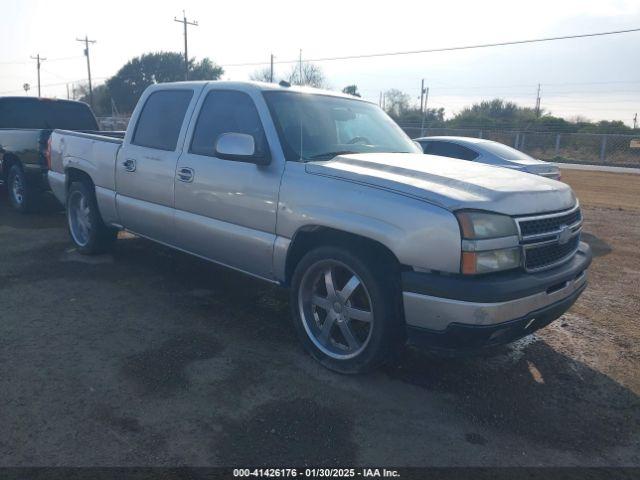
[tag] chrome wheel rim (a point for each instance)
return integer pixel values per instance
(336, 309)
(79, 218)
(17, 189)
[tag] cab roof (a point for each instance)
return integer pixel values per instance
(264, 86)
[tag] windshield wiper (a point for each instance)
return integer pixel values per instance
(328, 155)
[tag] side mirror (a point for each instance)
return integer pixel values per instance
(240, 147)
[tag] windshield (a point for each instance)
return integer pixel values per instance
(319, 127)
(505, 152)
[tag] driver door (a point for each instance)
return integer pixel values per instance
(225, 210)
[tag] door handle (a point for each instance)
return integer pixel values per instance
(129, 165)
(186, 175)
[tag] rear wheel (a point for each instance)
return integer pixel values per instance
(346, 309)
(86, 227)
(20, 192)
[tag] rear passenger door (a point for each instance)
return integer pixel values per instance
(226, 209)
(449, 149)
(146, 164)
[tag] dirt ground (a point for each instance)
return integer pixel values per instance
(150, 357)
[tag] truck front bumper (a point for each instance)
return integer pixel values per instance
(468, 313)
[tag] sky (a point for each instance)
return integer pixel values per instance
(597, 78)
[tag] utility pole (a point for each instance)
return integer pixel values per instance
(68, 97)
(86, 42)
(538, 102)
(380, 101)
(424, 111)
(422, 96)
(38, 60)
(271, 71)
(186, 51)
(300, 67)
(635, 121)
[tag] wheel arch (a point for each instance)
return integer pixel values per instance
(308, 237)
(76, 175)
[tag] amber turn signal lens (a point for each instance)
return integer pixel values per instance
(466, 225)
(469, 262)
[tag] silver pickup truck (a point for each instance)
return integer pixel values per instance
(323, 193)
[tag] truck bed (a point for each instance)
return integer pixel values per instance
(115, 136)
(92, 152)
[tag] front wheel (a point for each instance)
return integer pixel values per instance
(87, 230)
(346, 309)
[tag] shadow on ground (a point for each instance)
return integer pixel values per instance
(598, 246)
(536, 393)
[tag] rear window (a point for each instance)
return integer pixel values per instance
(503, 151)
(45, 114)
(448, 149)
(161, 119)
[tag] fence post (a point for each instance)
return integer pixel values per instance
(557, 151)
(522, 142)
(480, 134)
(517, 140)
(603, 148)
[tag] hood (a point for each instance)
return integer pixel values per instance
(451, 183)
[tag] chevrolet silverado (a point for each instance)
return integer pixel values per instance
(323, 193)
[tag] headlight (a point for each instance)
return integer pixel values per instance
(476, 225)
(490, 242)
(490, 261)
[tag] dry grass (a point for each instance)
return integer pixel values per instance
(604, 189)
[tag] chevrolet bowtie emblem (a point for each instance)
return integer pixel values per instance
(565, 234)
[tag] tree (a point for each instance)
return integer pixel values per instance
(396, 102)
(312, 75)
(127, 85)
(495, 113)
(101, 98)
(262, 75)
(433, 117)
(351, 90)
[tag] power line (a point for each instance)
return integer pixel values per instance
(55, 84)
(443, 49)
(24, 62)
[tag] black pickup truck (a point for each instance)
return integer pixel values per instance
(25, 126)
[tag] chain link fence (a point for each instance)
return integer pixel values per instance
(589, 148)
(113, 123)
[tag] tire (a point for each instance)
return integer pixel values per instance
(21, 194)
(86, 228)
(365, 328)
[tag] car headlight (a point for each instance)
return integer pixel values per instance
(490, 242)
(477, 225)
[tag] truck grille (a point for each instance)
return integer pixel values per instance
(549, 224)
(545, 255)
(549, 240)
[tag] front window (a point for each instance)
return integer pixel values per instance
(319, 127)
